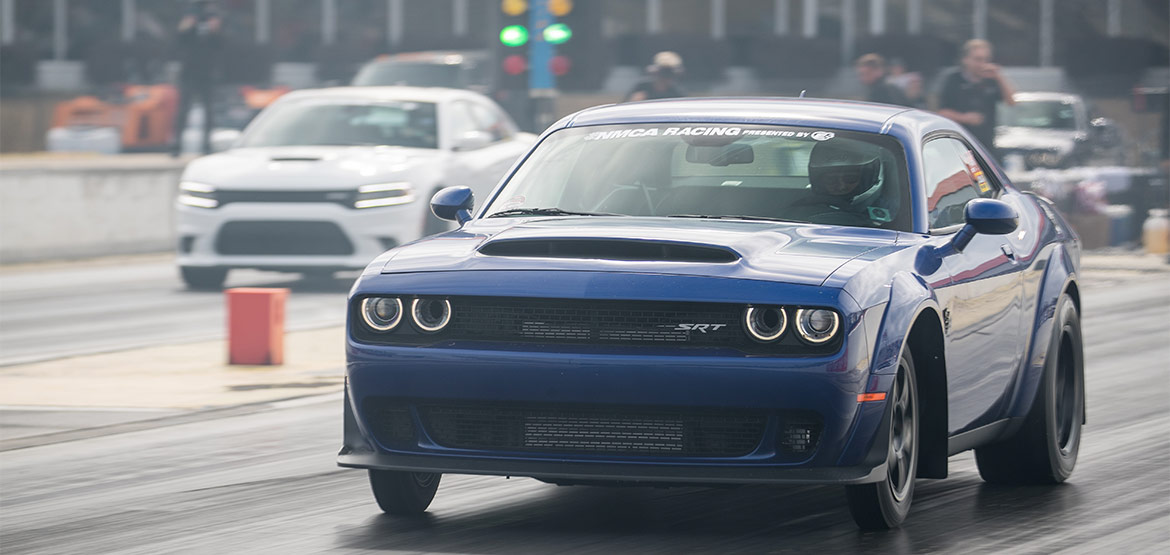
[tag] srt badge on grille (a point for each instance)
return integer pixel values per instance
(699, 327)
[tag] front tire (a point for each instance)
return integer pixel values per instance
(202, 278)
(403, 493)
(884, 505)
(1044, 450)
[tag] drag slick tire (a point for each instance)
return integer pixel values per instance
(403, 493)
(1044, 450)
(203, 279)
(885, 504)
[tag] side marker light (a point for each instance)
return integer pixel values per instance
(863, 397)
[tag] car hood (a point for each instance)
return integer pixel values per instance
(796, 253)
(306, 168)
(1059, 140)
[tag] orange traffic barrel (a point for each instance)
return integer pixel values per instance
(255, 325)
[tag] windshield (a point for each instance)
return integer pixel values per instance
(410, 74)
(411, 124)
(1042, 114)
(713, 171)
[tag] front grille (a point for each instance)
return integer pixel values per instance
(592, 323)
(283, 238)
(391, 423)
(620, 430)
(343, 198)
(608, 322)
(800, 432)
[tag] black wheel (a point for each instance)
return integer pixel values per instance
(432, 223)
(403, 493)
(1044, 450)
(885, 504)
(203, 279)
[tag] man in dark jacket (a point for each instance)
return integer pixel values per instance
(199, 43)
(667, 67)
(970, 92)
(871, 71)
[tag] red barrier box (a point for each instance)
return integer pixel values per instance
(255, 325)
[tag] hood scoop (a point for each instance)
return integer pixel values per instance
(609, 249)
(296, 158)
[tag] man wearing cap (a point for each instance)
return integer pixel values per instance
(666, 68)
(871, 71)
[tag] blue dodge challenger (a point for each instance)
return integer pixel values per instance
(725, 291)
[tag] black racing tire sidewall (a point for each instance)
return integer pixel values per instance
(1066, 325)
(895, 510)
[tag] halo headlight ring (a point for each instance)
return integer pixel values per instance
(808, 333)
(430, 315)
(765, 324)
(377, 322)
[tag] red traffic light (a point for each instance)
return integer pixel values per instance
(559, 65)
(515, 64)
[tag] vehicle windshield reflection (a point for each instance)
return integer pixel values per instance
(714, 171)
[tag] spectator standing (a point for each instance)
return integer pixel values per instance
(969, 93)
(871, 71)
(199, 42)
(667, 67)
(910, 82)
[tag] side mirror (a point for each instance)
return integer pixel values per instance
(984, 216)
(988, 217)
(453, 204)
(472, 140)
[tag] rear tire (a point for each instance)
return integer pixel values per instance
(1044, 450)
(403, 493)
(885, 504)
(202, 278)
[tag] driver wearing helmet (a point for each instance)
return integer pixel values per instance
(839, 173)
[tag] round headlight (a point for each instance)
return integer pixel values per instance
(431, 315)
(765, 323)
(382, 313)
(816, 325)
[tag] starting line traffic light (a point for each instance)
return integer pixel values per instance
(529, 33)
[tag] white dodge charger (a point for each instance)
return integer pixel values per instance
(327, 179)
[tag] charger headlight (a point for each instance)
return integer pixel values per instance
(382, 313)
(377, 195)
(199, 195)
(817, 325)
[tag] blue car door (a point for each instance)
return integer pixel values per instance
(982, 307)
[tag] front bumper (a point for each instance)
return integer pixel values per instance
(363, 233)
(847, 452)
(570, 472)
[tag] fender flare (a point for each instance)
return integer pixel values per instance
(909, 299)
(1059, 276)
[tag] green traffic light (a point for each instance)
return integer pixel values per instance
(514, 35)
(557, 33)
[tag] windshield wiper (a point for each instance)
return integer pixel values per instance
(546, 212)
(731, 217)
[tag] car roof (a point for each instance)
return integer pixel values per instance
(374, 94)
(806, 112)
(440, 57)
(1046, 96)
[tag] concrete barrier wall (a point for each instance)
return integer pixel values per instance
(62, 208)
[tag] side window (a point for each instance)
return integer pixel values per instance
(953, 177)
(462, 121)
(490, 120)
